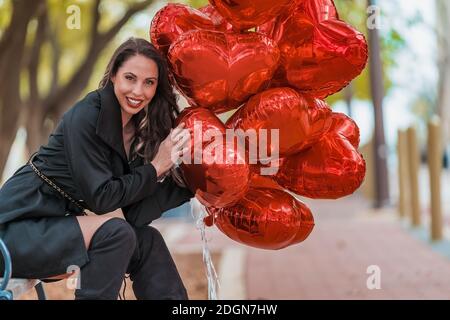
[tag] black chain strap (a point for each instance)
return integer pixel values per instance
(54, 186)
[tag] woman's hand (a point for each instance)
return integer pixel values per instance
(171, 149)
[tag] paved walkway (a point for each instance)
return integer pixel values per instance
(333, 262)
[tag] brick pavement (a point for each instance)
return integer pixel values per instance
(332, 263)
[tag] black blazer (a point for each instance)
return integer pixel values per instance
(85, 156)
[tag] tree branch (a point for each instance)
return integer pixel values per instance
(33, 65)
(96, 20)
(56, 49)
(71, 91)
(12, 46)
(107, 36)
(12, 51)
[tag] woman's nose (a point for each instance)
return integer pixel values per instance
(138, 90)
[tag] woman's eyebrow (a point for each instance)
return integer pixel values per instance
(132, 74)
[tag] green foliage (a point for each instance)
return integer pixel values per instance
(195, 3)
(354, 13)
(5, 14)
(74, 43)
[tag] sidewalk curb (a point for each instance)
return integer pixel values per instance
(232, 274)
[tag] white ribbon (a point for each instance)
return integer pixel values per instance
(198, 212)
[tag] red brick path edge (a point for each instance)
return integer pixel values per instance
(349, 237)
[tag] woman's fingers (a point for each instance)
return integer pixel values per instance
(181, 146)
(179, 128)
(186, 150)
(180, 155)
(181, 136)
(179, 142)
(182, 128)
(185, 138)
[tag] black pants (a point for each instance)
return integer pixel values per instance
(118, 248)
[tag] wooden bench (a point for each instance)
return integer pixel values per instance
(13, 288)
(18, 287)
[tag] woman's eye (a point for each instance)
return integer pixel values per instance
(129, 77)
(150, 83)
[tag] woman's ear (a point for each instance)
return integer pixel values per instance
(113, 79)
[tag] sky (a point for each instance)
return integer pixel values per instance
(416, 68)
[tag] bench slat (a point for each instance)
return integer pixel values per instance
(20, 286)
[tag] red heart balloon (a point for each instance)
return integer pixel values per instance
(216, 172)
(265, 218)
(346, 127)
(320, 54)
(175, 19)
(246, 14)
(319, 10)
(300, 119)
(307, 225)
(215, 16)
(256, 181)
(330, 169)
(221, 71)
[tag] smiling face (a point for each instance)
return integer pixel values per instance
(135, 85)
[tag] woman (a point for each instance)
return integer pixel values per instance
(112, 151)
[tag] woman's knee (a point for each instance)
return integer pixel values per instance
(109, 227)
(149, 235)
(114, 232)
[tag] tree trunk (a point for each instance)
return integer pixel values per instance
(348, 97)
(7, 137)
(443, 99)
(36, 131)
(12, 47)
(36, 109)
(380, 148)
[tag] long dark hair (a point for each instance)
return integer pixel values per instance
(153, 123)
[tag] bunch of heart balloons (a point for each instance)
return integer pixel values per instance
(273, 62)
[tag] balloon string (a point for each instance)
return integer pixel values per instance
(198, 212)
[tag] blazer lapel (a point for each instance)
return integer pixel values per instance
(109, 123)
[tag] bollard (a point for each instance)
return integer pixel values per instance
(435, 153)
(402, 158)
(414, 163)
